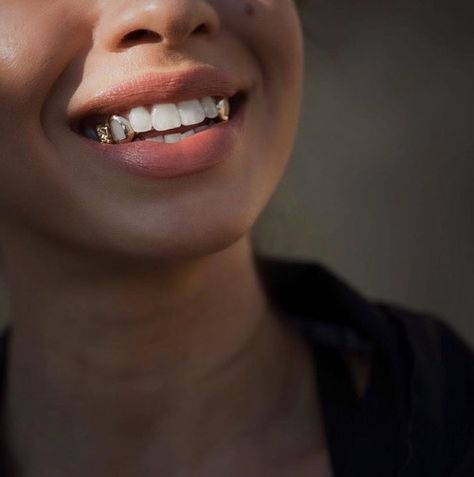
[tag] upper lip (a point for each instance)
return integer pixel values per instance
(160, 87)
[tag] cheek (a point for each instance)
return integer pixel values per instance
(35, 45)
(26, 53)
(276, 38)
(273, 34)
(279, 44)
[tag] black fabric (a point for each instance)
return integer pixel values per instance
(416, 417)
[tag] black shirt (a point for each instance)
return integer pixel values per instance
(416, 416)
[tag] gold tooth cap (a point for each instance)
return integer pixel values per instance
(120, 129)
(223, 108)
(104, 134)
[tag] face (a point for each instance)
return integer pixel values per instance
(68, 63)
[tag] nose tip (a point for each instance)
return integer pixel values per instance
(169, 22)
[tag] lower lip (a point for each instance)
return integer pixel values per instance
(166, 161)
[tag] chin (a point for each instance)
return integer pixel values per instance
(159, 239)
(180, 248)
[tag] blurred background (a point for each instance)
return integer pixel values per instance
(380, 188)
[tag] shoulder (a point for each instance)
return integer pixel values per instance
(441, 380)
(442, 364)
(432, 343)
(426, 369)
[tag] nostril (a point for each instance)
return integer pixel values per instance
(140, 36)
(201, 29)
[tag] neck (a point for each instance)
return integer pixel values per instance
(138, 369)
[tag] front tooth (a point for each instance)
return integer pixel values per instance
(191, 112)
(210, 108)
(121, 129)
(165, 116)
(172, 138)
(140, 119)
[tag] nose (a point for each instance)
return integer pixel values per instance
(126, 23)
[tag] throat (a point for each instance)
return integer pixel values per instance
(119, 422)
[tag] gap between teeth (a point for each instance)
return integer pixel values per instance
(177, 137)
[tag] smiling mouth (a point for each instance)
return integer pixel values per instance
(163, 122)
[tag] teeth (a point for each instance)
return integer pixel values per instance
(223, 108)
(172, 138)
(104, 134)
(140, 119)
(191, 112)
(188, 134)
(165, 117)
(204, 127)
(156, 139)
(210, 108)
(121, 129)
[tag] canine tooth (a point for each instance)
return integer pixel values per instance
(140, 119)
(223, 107)
(121, 129)
(165, 116)
(188, 134)
(191, 112)
(210, 108)
(172, 138)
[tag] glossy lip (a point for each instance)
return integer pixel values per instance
(164, 87)
(192, 155)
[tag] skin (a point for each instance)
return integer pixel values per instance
(143, 356)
